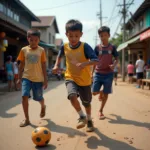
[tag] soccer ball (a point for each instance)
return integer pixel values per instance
(41, 136)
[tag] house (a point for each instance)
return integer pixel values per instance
(15, 20)
(49, 29)
(138, 34)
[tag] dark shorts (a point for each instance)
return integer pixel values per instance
(130, 74)
(105, 80)
(37, 89)
(115, 74)
(84, 92)
(139, 75)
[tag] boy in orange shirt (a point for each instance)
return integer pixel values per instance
(32, 72)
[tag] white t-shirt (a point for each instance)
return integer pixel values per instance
(15, 68)
(140, 66)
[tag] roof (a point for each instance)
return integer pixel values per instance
(142, 8)
(24, 8)
(46, 21)
(58, 42)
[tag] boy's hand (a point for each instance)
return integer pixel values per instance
(18, 81)
(81, 65)
(112, 67)
(45, 84)
(55, 69)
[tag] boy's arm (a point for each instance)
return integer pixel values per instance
(58, 59)
(21, 67)
(43, 63)
(89, 54)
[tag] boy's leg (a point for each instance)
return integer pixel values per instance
(72, 89)
(26, 86)
(107, 90)
(37, 88)
(86, 97)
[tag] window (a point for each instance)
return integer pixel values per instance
(141, 24)
(50, 38)
(53, 39)
(16, 17)
(1, 7)
(9, 13)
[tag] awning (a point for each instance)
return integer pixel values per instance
(52, 46)
(124, 45)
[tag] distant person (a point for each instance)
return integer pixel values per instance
(10, 72)
(139, 70)
(116, 70)
(32, 73)
(15, 73)
(130, 70)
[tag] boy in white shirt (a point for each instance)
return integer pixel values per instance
(139, 70)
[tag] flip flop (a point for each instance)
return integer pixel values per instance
(101, 116)
(24, 123)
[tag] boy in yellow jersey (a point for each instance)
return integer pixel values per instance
(33, 66)
(79, 57)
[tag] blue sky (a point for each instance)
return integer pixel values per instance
(83, 10)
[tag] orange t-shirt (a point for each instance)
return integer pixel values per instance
(33, 63)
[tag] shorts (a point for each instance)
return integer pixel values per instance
(84, 92)
(130, 74)
(105, 80)
(115, 74)
(16, 76)
(37, 89)
(139, 75)
(10, 76)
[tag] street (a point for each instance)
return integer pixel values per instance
(126, 127)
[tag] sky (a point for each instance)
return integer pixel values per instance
(85, 11)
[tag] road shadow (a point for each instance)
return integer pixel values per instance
(120, 120)
(71, 132)
(47, 147)
(104, 141)
(10, 100)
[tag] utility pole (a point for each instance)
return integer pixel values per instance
(96, 37)
(124, 13)
(124, 32)
(101, 22)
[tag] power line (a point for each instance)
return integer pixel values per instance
(59, 6)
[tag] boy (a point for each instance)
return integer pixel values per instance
(139, 70)
(79, 57)
(104, 69)
(33, 66)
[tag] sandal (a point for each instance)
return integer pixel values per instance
(24, 123)
(43, 112)
(101, 116)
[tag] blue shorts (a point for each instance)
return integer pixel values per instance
(37, 89)
(10, 76)
(105, 80)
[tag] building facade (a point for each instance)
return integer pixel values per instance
(138, 34)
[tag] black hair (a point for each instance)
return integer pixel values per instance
(14, 58)
(130, 62)
(140, 56)
(73, 25)
(34, 32)
(104, 29)
(8, 58)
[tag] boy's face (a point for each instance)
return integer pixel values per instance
(74, 37)
(104, 36)
(33, 41)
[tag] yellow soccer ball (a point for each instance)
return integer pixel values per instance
(41, 136)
